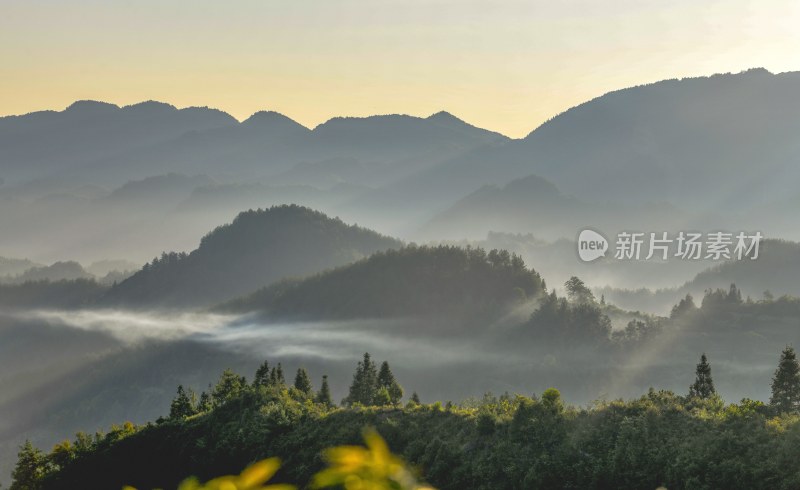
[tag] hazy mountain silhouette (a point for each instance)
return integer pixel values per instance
(12, 267)
(49, 143)
(106, 144)
(534, 205)
(723, 143)
(257, 248)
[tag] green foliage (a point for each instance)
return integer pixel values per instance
(229, 386)
(786, 382)
(324, 395)
(466, 282)
(365, 383)
(30, 468)
(703, 386)
(184, 405)
(386, 381)
(565, 322)
(302, 382)
(262, 377)
(258, 247)
(506, 442)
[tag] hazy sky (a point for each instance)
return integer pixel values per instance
(504, 65)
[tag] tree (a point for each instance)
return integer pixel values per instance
(29, 470)
(279, 378)
(684, 306)
(229, 385)
(415, 398)
(364, 385)
(577, 292)
(262, 377)
(703, 386)
(204, 403)
(63, 453)
(786, 383)
(382, 397)
(324, 394)
(387, 380)
(183, 405)
(302, 381)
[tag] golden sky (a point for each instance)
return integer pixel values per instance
(503, 65)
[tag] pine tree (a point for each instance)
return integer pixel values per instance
(385, 376)
(262, 375)
(415, 398)
(703, 386)
(28, 472)
(364, 385)
(578, 292)
(229, 385)
(204, 403)
(279, 378)
(786, 383)
(183, 404)
(387, 380)
(302, 381)
(324, 394)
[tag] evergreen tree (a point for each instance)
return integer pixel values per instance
(703, 386)
(415, 398)
(364, 385)
(382, 397)
(578, 292)
(387, 380)
(302, 382)
(183, 405)
(385, 376)
(28, 472)
(262, 377)
(229, 385)
(786, 383)
(279, 378)
(324, 394)
(204, 403)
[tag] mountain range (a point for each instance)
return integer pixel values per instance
(673, 154)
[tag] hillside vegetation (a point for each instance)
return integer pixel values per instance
(257, 248)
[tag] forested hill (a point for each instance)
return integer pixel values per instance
(256, 249)
(399, 283)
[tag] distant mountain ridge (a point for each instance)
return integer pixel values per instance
(723, 144)
(111, 144)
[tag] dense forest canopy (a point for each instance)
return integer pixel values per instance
(414, 280)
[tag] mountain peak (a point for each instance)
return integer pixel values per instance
(150, 105)
(445, 117)
(760, 70)
(270, 118)
(90, 106)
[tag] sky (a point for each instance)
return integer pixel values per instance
(506, 65)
